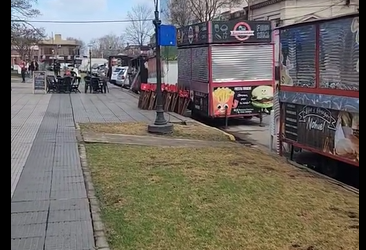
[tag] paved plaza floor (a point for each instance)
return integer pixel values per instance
(49, 204)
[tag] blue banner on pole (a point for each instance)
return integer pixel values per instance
(167, 35)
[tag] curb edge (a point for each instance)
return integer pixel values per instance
(100, 238)
(228, 135)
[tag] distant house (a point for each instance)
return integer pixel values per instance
(50, 49)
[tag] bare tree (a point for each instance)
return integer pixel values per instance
(107, 45)
(21, 12)
(206, 10)
(25, 39)
(79, 42)
(198, 10)
(178, 13)
(140, 28)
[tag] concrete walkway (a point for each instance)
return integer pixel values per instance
(49, 204)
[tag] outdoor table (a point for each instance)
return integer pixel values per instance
(63, 84)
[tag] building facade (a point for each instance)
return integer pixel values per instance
(50, 49)
(58, 48)
(285, 12)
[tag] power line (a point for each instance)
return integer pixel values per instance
(83, 22)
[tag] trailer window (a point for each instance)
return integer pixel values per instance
(242, 63)
(339, 54)
(298, 56)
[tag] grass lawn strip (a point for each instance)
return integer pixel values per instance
(217, 198)
(190, 131)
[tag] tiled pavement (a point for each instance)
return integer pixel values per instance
(49, 205)
(27, 111)
(115, 106)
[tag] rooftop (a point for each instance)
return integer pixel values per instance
(57, 40)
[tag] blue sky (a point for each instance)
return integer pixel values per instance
(70, 10)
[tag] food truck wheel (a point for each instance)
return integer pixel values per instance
(194, 113)
(329, 167)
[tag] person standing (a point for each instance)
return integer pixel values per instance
(23, 69)
(31, 68)
(57, 68)
(36, 66)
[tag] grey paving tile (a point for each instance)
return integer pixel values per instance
(27, 113)
(35, 243)
(68, 194)
(69, 242)
(34, 177)
(29, 218)
(22, 195)
(27, 231)
(70, 204)
(79, 228)
(31, 185)
(68, 179)
(29, 206)
(69, 215)
(66, 185)
(60, 173)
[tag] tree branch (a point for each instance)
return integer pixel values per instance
(140, 28)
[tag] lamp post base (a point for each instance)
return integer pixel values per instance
(160, 129)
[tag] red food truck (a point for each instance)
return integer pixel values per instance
(319, 89)
(228, 67)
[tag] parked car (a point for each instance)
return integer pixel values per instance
(122, 78)
(97, 68)
(116, 72)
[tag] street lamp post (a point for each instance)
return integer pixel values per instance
(160, 126)
(90, 62)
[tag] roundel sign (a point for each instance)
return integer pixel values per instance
(242, 31)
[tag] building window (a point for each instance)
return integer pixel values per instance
(71, 51)
(48, 51)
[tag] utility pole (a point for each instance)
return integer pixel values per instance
(160, 126)
(90, 62)
(249, 2)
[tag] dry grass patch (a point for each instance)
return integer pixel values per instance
(217, 198)
(190, 131)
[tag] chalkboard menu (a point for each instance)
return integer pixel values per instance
(39, 81)
(242, 100)
(290, 121)
(317, 126)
